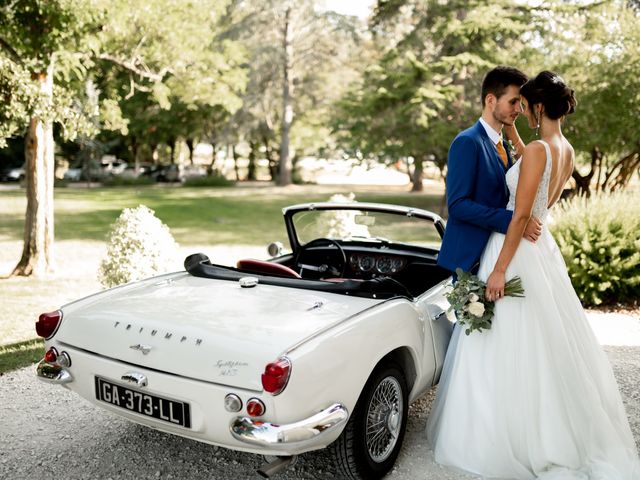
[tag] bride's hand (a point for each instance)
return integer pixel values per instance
(511, 132)
(495, 286)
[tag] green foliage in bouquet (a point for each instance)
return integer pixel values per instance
(600, 241)
(468, 301)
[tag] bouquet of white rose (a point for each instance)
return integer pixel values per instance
(467, 300)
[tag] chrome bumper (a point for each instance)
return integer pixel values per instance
(53, 373)
(272, 435)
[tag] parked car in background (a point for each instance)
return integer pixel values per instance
(96, 171)
(111, 165)
(12, 174)
(73, 174)
(193, 171)
(325, 346)
(164, 173)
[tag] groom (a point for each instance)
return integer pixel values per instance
(476, 187)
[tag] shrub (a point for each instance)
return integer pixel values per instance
(599, 240)
(139, 246)
(208, 181)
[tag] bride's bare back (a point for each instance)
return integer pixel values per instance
(562, 161)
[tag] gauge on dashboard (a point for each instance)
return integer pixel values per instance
(383, 265)
(396, 264)
(366, 263)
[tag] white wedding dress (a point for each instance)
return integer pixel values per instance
(534, 396)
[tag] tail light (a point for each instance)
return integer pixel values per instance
(48, 323)
(255, 408)
(51, 356)
(276, 375)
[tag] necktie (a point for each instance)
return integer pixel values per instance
(502, 152)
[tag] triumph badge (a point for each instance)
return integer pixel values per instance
(143, 348)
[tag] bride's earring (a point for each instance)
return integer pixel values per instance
(538, 121)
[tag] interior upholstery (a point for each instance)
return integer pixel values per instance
(266, 268)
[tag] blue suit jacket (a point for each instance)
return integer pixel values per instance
(476, 198)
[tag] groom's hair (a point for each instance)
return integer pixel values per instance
(499, 79)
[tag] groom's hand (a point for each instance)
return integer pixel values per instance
(533, 230)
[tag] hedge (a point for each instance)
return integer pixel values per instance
(599, 238)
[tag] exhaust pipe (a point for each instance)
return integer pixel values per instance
(276, 466)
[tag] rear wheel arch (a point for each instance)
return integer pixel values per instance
(405, 360)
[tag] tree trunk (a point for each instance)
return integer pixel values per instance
(212, 166)
(172, 149)
(287, 109)
(583, 182)
(251, 173)
(443, 203)
(134, 154)
(416, 178)
(235, 162)
(37, 254)
(621, 172)
(189, 142)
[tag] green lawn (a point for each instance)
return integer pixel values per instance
(247, 215)
(20, 354)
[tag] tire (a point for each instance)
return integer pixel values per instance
(369, 457)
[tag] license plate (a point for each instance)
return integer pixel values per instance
(165, 409)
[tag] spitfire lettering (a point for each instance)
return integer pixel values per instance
(154, 332)
(229, 368)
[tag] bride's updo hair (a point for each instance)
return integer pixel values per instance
(552, 92)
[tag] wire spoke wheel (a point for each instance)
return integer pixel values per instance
(370, 443)
(384, 419)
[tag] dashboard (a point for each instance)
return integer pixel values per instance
(376, 263)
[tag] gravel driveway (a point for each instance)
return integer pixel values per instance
(48, 432)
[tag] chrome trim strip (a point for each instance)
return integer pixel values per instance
(53, 373)
(265, 434)
(372, 207)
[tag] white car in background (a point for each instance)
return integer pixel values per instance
(323, 347)
(15, 174)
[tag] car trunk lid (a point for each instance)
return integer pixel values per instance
(206, 329)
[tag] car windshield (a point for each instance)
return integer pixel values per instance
(365, 226)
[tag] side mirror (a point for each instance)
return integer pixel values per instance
(275, 249)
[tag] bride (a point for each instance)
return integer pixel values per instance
(534, 396)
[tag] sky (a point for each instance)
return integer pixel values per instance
(361, 8)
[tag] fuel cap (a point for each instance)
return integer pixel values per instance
(248, 282)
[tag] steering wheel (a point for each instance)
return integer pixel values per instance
(332, 261)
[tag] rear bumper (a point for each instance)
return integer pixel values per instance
(209, 420)
(53, 373)
(273, 436)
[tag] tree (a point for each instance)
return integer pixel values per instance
(296, 54)
(35, 36)
(425, 85)
(60, 44)
(597, 54)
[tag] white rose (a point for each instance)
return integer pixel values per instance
(473, 298)
(476, 309)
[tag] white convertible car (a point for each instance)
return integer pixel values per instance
(325, 346)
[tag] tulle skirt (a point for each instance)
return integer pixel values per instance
(534, 396)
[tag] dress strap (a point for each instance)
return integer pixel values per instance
(547, 150)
